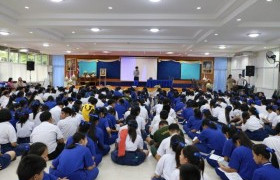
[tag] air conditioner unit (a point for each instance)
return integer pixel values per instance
(246, 53)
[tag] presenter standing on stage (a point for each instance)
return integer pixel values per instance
(136, 74)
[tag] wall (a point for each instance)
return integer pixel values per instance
(266, 75)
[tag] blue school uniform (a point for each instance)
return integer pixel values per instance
(211, 139)
(18, 99)
(50, 104)
(49, 177)
(121, 109)
(5, 160)
(179, 106)
(103, 124)
(187, 113)
(193, 123)
(71, 163)
(266, 172)
(112, 120)
(118, 94)
(242, 161)
(100, 146)
(90, 145)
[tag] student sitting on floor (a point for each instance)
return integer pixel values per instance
(169, 162)
(211, 138)
(241, 160)
(31, 167)
(274, 142)
(189, 172)
(189, 155)
(265, 157)
(40, 149)
(130, 146)
(48, 134)
(6, 158)
(159, 136)
(193, 124)
(75, 161)
(84, 128)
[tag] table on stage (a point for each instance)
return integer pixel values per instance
(87, 80)
(162, 83)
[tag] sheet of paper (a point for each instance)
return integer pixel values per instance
(232, 176)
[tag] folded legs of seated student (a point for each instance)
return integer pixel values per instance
(258, 135)
(58, 150)
(134, 158)
(5, 159)
(18, 148)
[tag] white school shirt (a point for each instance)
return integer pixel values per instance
(143, 112)
(216, 111)
(45, 96)
(56, 111)
(176, 175)
(274, 143)
(275, 121)
(156, 121)
(164, 147)
(222, 116)
(127, 113)
(240, 81)
(79, 117)
(166, 165)
(126, 127)
(252, 124)
(68, 126)
(25, 130)
(48, 134)
(224, 105)
(133, 146)
(204, 107)
(39, 98)
(37, 120)
(84, 100)
(7, 133)
(141, 122)
(261, 109)
(4, 100)
(235, 113)
(99, 103)
(271, 116)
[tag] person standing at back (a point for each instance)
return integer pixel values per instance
(240, 82)
(136, 74)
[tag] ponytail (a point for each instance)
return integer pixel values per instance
(230, 129)
(22, 117)
(243, 139)
(132, 126)
(209, 123)
(177, 143)
(194, 157)
(76, 139)
(267, 153)
(93, 118)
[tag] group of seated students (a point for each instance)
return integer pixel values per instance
(75, 128)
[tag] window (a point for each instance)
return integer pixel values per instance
(13, 56)
(31, 57)
(3, 54)
(38, 59)
(45, 59)
(22, 58)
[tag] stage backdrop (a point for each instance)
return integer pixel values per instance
(88, 66)
(147, 67)
(165, 72)
(190, 71)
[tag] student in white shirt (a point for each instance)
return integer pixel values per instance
(169, 162)
(68, 124)
(143, 110)
(100, 100)
(4, 100)
(270, 116)
(135, 111)
(24, 127)
(164, 147)
(56, 111)
(189, 155)
(162, 116)
(130, 149)
(253, 127)
(48, 134)
(274, 142)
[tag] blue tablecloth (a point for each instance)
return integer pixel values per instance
(162, 83)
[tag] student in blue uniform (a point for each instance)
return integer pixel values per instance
(265, 157)
(84, 128)
(193, 124)
(188, 110)
(241, 160)
(5, 159)
(120, 108)
(50, 102)
(31, 167)
(75, 162)
(130, 145)
(96, 134)
(211, 138)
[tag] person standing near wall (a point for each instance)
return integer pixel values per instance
(230, 83)
(136, 74)
(240, 82)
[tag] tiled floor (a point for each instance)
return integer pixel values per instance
(108, 171)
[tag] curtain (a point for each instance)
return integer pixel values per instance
(58, 70)
(220, 74)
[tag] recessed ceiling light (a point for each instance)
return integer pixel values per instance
(46, 45)
(207, 53)
(170, 53)
(23, 50)
(239, 19)
(253, 35)
(95, 29)
(5, 44)
(68, 52)
(198, 8)
(216, 34)
(57, 1)
(269, 0)
(154, 30)
(30, 32)
(205, 40)
(106, 52)
(77, 48)
(26, 7)
(190, 50)
(4, 33)
(110, 7)
(155, 0)
(67, 45)
(264, 47)
(73, 32)
(222, 47)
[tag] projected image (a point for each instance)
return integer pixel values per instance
(190, 71)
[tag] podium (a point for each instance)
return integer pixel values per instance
(102, 76)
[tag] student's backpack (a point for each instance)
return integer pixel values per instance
(86, 110)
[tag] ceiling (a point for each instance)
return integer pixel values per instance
(124, 30)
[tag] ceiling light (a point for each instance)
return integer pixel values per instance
(26, 7)
(264, 47)
(190, 50)
(198, 8)
(57, 1)
(4, 33)
(77, 48)
(170, 53)
(253, 35)
(110, 7)
(106, 52)
(207, 53)
(68, 52)
(154, 30)
(23, 50)
(269, 0)
(30, 32)
(95, 29)
(155, 0)
(67, 45)
(222, 47)
(205, 40)
(46, 45)
(216, 34)
(73, 32)
(239, 19)
(5, 44)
